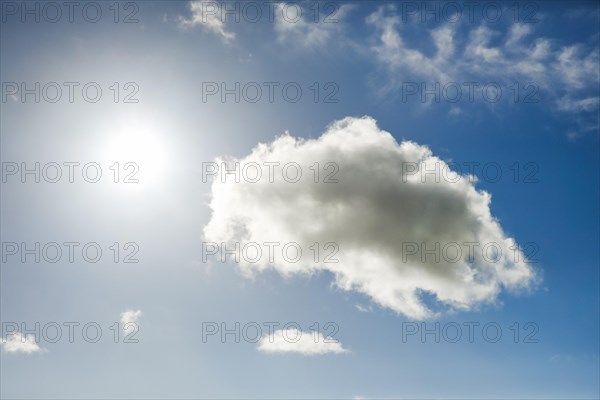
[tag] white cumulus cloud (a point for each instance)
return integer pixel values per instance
(366, 220)
(296, 341)
(19, 343)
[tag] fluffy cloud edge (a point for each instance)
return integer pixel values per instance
(368, 202)
(295, 341)
(20, 343)
(130, 317)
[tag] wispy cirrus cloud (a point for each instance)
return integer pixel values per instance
(567, 74)
(206, 14)
(310, 34)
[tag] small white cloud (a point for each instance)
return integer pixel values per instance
(19, 343)
(362, 308)
(454, 111)
(296, 341)
(207, 14)
(130, 316)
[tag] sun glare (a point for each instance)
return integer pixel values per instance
(138, 151)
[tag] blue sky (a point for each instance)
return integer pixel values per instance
(368, 58)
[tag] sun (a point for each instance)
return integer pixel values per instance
(138, 152)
